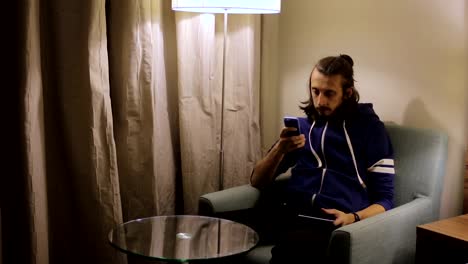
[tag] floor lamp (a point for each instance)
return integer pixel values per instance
(226, 7)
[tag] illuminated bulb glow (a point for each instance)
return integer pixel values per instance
(229, 6)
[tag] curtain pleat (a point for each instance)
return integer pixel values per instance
(121, 104)
(199, 84)
(242, 100)
(34, 138)
(84, 190)
(145, 141)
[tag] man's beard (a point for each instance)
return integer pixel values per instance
(322, 110)
(344, 110)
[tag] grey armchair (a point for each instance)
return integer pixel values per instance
(390, 237)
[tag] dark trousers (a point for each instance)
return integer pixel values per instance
(296, 239)
(300, 239)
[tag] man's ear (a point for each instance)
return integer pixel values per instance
(348, 92)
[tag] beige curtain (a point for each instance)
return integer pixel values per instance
(120, 118)
(144, 101)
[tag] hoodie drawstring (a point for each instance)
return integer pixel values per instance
(319, 162)
(322, 142)
(352, 155)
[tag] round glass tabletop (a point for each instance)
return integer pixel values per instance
(183, 238)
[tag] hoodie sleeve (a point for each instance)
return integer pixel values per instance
(380, 167)
(289, 160)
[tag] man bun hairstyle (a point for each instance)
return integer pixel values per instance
(348, 59)
(338, 65)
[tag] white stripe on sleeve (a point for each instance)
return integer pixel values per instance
(388, 162)
(382, 170)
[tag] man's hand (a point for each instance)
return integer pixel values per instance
(341, 218)
(346, 219)
(264, 171)
(287, 144)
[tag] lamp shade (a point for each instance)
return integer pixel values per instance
(229, 6)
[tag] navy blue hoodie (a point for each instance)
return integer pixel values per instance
(345, 164)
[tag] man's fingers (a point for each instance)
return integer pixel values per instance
(295, 141)
(330, 211)
(299, 140)
(338, 222)
(285, 130)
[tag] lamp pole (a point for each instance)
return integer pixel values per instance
(221, 143)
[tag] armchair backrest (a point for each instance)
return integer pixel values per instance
(420, 158)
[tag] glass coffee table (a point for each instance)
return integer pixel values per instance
(183, 238)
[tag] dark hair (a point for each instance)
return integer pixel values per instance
(334, 65)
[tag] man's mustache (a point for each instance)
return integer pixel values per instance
(323, 109)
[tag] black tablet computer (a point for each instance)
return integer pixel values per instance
(309, 220)
(316, 218)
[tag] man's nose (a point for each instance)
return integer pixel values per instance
(321, 100)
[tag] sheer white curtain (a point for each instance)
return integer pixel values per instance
(121, 118)
(200, 73)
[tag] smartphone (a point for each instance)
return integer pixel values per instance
(292, 121)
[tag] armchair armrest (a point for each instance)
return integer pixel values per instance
(389, 237)
(240, 198)
(233, 199)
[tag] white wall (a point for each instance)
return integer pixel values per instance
(410, 61)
